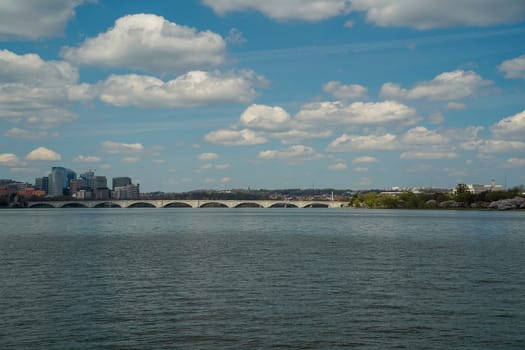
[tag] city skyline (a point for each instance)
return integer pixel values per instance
(235, 94)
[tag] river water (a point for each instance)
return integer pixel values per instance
(261, 278)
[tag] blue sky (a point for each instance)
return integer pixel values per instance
(222, 94)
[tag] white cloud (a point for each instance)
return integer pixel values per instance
(345, 92)
(440, 13)
(365, 159)
(208, 156)
(349, 24)
(308, 10)
(512, 127)
(429, 155)
(116, 147)
(35, 19)
(222, 166)
(514, 68)
(9, 159)
(448, 86)
(42, 153)
(150, 43)
(225, 180)
(196, 88)
(267, 118)
(296, 152)
(87, 159)
(130, 159)
(235, 137)
(35, 91)
(360, 170)
(293, 136)
(516, 162)
(456, 106)
(338, 166)
(28, 134)
(346, 143)
(422, 136)
(358, 113)
(493, 146)
(235, 37)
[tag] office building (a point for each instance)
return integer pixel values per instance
(121, 182)
(42, 184)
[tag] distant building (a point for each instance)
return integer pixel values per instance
(100, 182)
(478, 188)
(120, 182)
(76, 185)
(57, 182)
(88, 178)
(42, 184)
(101, 193)
(126, 192)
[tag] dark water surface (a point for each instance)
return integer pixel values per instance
(261, 278)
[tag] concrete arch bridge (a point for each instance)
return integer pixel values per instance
(143, 203)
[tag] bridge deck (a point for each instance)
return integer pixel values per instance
(188, 204)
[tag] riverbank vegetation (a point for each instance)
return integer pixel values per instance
(466, 200)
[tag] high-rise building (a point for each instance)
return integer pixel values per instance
(121, 182)
(76, 185)
(57, 182)
(88, 178)
(126, 192)
(99, 182)
(42, 184)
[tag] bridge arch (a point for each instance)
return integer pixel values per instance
(249, 205)
(74, 205)
(141, 205)
(107, 205)
(317, 205)
(41, 205)
(283, 205)
(213, 205)
(177, 205)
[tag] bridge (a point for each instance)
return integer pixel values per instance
(178, 203)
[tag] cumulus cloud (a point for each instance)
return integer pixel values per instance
(9, 159)
(514, 68)
(235, 137)
(348, 143)
(116, 147)
(365, 159)
(42, 153)
(295, 152)
(429, 155)
(512, 127)
(193, 89)
(338, 166)
(493, 146)
(440, 13)
(345, 92)
(422, 136)
(87, 159)
(267, 118)
(35, 91)
(358, 113)
(150, 43)
(308, 10)
(35, 19)
(208, 156)
(448, 86)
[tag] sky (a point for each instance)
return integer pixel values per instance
(221, 94)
